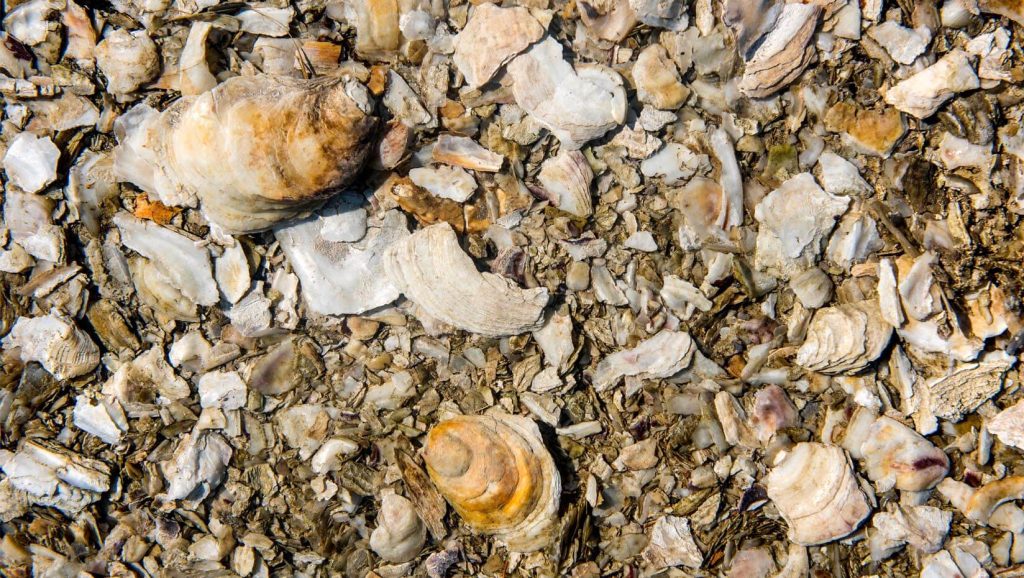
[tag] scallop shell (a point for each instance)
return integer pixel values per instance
(844, 339)
(254, 151)
(497, 474)
(567, 178)
(433, 272)
(817, 493)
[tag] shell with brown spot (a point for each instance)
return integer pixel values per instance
(499, 477)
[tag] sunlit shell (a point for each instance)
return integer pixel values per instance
(898, 456)
(491, 38)
(433, 271)
(817, 493)
(922, 94)
(400, 534)
(566, 178)
(784, 53)
(254, 151)
(499, 477)
(844, 339)
(657, 79)
(56, 343)
(128, 60)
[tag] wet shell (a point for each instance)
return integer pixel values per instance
(817, 493)
(499, 477)
(254, 151)
(433, 271)
(844, 339)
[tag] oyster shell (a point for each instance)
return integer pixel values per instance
(661, 356)
(465, 152)
(56, 343)
(198, 466)
(844, 339)
(566, 179)
(657, 79)
(400, 534)
(921, 95)
(433, 272)
(446, 182)
(54, 476)
(497, 474)
(1008, 425)
(672, 544)
(492, 37)
(749, 21)
(254, 151)
(575, 105)
(897, 456)
(128, 60)
(609, 20)
(31, 162)
(817, 493)
(784, 53)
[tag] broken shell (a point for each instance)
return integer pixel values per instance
(903, 44)
(813, 288)
(661, 356)
(56, 343)
(983, 502)
(844, 339)
(499, 477)
(870, 131)
(446, 182)
(56, 477)
(491, 38)
(657, 79)
(255, 151)
(31, 162)
(897, 456)
(817, 493)
(400, 534)
(784, 53)
(672, 544)
(567, 178)
(1008, 425)
(432, 270)
(465, 152)
(609, 20)
(197, 467)
(575, 105)
(128, 60)
(750, 20)
(922, 94)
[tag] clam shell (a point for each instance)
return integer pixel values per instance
(432, 270)
(497, 474)
(254, 151)
(817, 493)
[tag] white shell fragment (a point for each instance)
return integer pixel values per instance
(844, 339)
(31, 162)
(657, 79)
(222, 389)
(400, 534)
(53, 476)
(446, 182)
(897, 456)
(56, 343)
(817, 493)
(197, 467)
(104, 419)
(578, 105)
(672, 545)
(129, 60)
(664, 355)
(567, 178)
(904, 45)
(431, 269)
(922, 94)
(1008, 425)
(491, 38)
(467, 153)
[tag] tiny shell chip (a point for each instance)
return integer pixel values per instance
(817, 493)
(491, 38)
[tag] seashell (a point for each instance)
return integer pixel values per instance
(56, 343)
(31, 162)
(400, 534)
(575, 105)
(903, 44)
(497, 474)
(955, 152)
(672, 545)
(854, 240)
(673, 163)
(841, 177)
(433, 272)
(384, 27)
(897, 456)
(446, 182)
(146, 381)
(817, 493)
(921, 95)
(888, 296)
(609, 20)
(197, 467)
(668, 14)
(285, 367)
(266, 20)
(464, 152)
(966, 386)
(492, 37)
(773, 411)
(193, 74)
(813, 288)
(657, 79)
(54, 476)
(795, 221)
(1008, 425)
(661, 356)
(128, 60)
(105, 419)
(683, 297)
(1011, 9)
(81, 44)
(923, 527)
(749, 21)
(984, 502)
(844, 339)
(254, 151)
(342, 278)
(566, 179)
(784, 53)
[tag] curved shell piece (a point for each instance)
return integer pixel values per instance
(499, 477)
(784, 53)
(985, 500)
(254, 151)
(844, 339)
(816, 491)
(56, 343)
(432, 270)
(567, 178)
(575, 105)
(899, 456)
(400, 534)
(492, 37)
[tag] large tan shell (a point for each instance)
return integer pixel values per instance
(497, 474)
(254, 151)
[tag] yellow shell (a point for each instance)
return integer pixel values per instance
(499, 477)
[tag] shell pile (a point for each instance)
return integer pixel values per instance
(582, 288)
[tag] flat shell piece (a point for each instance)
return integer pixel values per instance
(921, 95)
(664, 355)
(433, 271)
(491, 38)
(464, 152)
(672, 544)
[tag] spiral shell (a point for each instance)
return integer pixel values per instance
(497, 474)
(254, 151)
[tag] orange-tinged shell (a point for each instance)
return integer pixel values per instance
(497, 474)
